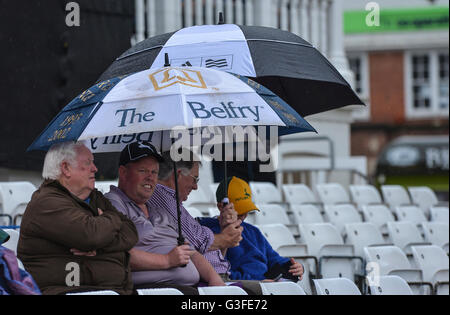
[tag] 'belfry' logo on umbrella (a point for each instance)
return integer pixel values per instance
(169, 76)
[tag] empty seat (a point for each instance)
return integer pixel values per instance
(439, 214)
(332, 193)
(410, 213)
(14, 197)
(273, 213)
(299, 194)
(379, 215)
(391, 260)
(363, 234)
(336, 286)
(159, 291)
(389, 285)
(339, 215)
(194, 212)
(433, 261)
(200, 199)
(395, 195)
(325, 243)
(13, 240)
(104, 186)
(363, 195)
(223, 290)
(404, 235)
(265, 192)
(425, 198)
(281, 288)
(304, 214)
(437, 233)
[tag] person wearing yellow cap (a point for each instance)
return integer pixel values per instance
(254, 258)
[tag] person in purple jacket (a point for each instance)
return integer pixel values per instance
(254, 258)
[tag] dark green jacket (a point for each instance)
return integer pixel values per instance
(56, 221)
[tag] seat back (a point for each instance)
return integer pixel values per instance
(281, 288)
(304, 214)
(277, 235)
(14, 197)
(339, 215)
(424, 197)
(430, 259)
(410, 213)
(387, 258)
(404, 234)
(336, 286)
(298, 194)
(390, 285)
(365, 194)
(13, 240)
(317, 235)
(437, 233)
(395, 195)
(159, 291)
(332, 193)
(379, 215)
(265, 192)
(194, 212)
(104, 186)
(223, 290)
(361, 235)
(439, 214)
(271, 213)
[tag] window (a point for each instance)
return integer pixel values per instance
(427, 79)
(359, 65)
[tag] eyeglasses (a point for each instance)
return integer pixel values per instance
(195, 178)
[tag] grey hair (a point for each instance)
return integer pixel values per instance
(166, 167)
(58, 153)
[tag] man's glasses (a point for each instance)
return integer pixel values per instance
(195, 178)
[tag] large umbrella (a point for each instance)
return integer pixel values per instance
(124, 108)
(281, 61)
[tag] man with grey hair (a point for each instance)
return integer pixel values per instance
(71, 238)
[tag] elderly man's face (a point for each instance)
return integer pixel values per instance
(187, 183)
(81, 175)
(139, 179)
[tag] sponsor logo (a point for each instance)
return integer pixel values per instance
(219, 63)
(169, 76)
(225, 110)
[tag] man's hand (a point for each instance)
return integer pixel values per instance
(180, 256)
(296, 269)
(232, 234)
(227, 215)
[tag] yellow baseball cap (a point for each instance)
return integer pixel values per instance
(239, 193)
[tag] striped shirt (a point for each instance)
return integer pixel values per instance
(200, 237)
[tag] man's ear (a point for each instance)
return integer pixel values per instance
(122, 170)
(65, 169)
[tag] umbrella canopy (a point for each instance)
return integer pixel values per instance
(281, 61)
(126, 108)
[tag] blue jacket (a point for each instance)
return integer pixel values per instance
(253, 257)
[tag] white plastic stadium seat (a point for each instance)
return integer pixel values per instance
(389, 285)
(159, 291)
(14, 197)
(223, 290)
(395, 195)
(339, 215)
(296, 194)
(304, 214)
(439, 214)
(104, 186)
(363, 234)
(410, 213)
(379, 215)
(101, 292)
(336, 286)
(265, 192)
(271, 213)
(425, 198)
(433, 261)
(13, 240)
(332, 193)
(200, 199)
(281, 288)
(405, 234)
(213, 212)
(437, 233)
(364, 195)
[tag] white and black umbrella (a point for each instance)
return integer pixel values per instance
(281, 61)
